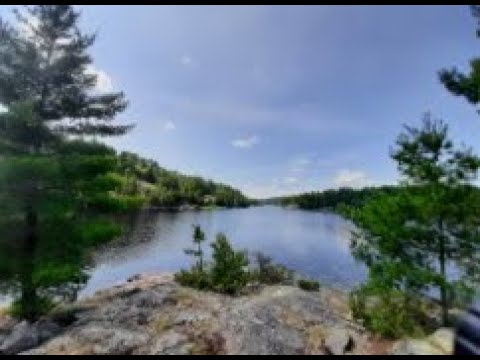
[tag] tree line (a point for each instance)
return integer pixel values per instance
(333, 199)
(163, 188)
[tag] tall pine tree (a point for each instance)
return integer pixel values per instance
(409, 238)
(54, 188)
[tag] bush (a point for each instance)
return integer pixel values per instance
(269, 273)
(194, 278)
(229, 274)
(226, 274)
(391, 313)
(308, 285)
(19, 310)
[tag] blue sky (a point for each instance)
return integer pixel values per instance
(276, 100)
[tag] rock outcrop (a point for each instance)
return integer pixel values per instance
(439, 343)
(154, 315)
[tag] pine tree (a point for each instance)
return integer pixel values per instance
(228, 270)
(459, 83)
(52, 186)
(198, 239)
(408, 238)
(45, 62)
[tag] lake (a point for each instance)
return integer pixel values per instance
(315, 244)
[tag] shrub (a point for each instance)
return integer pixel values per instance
(42, 306)
(194, 278)
(308, 285)
(228, 273)
(391, 314)
(269, 273)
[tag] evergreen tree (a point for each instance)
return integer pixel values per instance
(198, 239)
(51, 185)
(459, 83)
(408, 238)
(228, 271)
(45, 62)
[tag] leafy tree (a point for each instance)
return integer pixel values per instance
(52, 185)
(407, 239)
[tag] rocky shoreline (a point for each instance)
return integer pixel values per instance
(151, 314)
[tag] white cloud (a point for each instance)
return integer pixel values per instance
(104, 81)
(275, 187)
(300, 164)
(351, 178)
(290, 180)
(186, 61)
(3, 108)
(169, 126)
(246, 143)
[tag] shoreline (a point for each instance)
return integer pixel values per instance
(151, 314)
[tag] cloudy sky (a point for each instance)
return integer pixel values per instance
(276, 100)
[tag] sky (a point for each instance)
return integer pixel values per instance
(277, 100)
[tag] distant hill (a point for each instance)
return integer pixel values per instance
(164, 188)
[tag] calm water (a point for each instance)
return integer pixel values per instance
(315, 244)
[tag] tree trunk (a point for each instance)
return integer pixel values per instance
(201, 257)
(443, 286)
(29, 299)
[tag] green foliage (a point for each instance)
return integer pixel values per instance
(194, 278)
(52, 187)
(226, 274)
(339, 200)
(45, 62)
(269, 273)
(388, 312)
(198, 239)
(169, 189)
(42, 306)
(308, 285)
(407, 238)
(229, 274)
(466, 85)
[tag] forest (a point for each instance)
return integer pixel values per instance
(333, 199)
(161, 188)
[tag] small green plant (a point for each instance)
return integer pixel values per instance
(229, 273)
(391, 314)
(198, 239)
(226, 274)
(194, 278)
(269, 273)
(308, 285)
